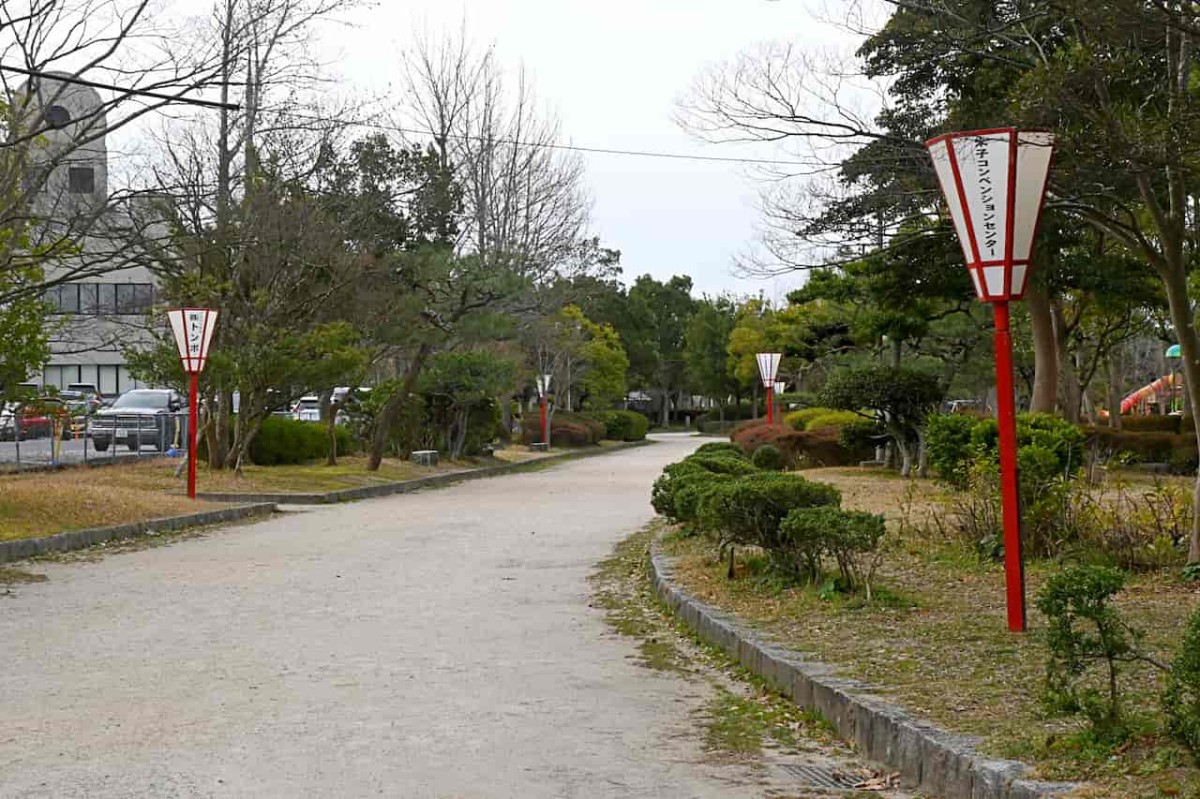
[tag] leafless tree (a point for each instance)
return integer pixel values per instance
(526, 207)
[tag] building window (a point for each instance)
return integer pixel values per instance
(81, 180)
(57, 116)
(99, 299)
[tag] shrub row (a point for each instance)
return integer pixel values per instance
(825, 446)
(815, 418)
(797, 523)
(566, 429)
(621, 425)
(287, 441)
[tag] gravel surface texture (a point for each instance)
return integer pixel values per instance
(438, 644)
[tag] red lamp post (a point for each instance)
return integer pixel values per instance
(994, 182)
(780, 387)
(768, 367)
(193, 330)
(543, 387)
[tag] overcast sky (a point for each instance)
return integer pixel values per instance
(614, 71)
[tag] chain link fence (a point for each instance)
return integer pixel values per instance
(34, 441)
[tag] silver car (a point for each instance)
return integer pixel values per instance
(153, 416)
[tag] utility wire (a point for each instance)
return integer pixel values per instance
(569, 147)
(177, 98)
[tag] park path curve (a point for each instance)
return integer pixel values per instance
(438, 644)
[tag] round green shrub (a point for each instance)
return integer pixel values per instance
(748, 510)
(722, 464)
(720, 448)
(768, 457)
(286, 441)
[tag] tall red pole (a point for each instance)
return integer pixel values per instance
(193, 420)
(545, 428)
(770, 404)
(1014, 564)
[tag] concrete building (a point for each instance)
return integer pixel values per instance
(101, 308)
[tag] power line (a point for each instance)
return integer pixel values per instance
(177, 98)
(571, 147)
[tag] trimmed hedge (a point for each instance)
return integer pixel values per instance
(720, 448)
(1151, 447)
(813, 418)
(566, 429)
(1152, 424)
(768, 457)
(811, 448)
(747, 511)
(621, 425)
(287, 441)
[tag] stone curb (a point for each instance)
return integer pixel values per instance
(927, 757)
(408, 486)
(79, 539)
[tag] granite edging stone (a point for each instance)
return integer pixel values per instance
(22, 548)
(927, 757)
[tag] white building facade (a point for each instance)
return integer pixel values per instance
(101, 308)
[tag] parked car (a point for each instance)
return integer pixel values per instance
(8, 424)
(142, 416)
(307, 409)
(35, 418)
(81, 398)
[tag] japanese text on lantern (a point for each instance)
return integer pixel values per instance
(987, 196)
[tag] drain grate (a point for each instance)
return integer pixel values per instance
(819, 777)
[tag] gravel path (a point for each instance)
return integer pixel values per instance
(432, 645)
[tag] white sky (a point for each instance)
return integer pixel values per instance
(613, 71)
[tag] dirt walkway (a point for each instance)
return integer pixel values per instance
(433, 645)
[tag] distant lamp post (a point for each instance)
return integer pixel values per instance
(768, 367)
(193, 331)
(780, 388)
(994, 182)
(543, 387)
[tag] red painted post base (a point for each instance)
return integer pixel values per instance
(1006, 417)
(193, 422)
(770, 405)
(545, 424)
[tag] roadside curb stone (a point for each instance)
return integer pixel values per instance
(79, 539)
(928, 758)
(408, 486)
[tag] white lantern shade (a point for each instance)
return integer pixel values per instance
(994, 182)
(193, 332)
(768, 367)
(543, 385)
(780, 387)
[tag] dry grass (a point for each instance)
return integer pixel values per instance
(936, 642)
(44, 503)
(76, 499)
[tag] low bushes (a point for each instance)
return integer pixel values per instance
(1154, 424)
(808, 448)
(738, 504)
(1090, 649)
(1176, 449)
(287, 441)
(721, 448)
(566, 429)
(621, 425)
(769, 458)
(850, 538)
(814, 418)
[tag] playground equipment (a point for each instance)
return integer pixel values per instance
(1167, 389)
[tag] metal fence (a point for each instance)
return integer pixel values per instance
(37, 442)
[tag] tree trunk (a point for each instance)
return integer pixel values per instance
(1175, 280)
(505, 404)
(1072, 393)
(1112, 369)
(391, 410)
(218, 451)
(1045, 355)
(664, 417)
(922, 455)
